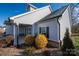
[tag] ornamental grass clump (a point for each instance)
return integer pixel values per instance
(29, 40)
(41, 41)
(9, 39)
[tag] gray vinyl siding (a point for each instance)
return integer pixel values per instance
(53, 29)
(9, 29)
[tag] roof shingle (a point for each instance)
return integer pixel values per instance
(54, 14)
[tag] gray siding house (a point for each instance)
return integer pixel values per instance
(40, 20)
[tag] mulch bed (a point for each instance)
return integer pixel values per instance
(48, 52)
(10, 51)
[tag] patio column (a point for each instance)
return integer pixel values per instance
(33, 30)
(14, 34)
(17, 35)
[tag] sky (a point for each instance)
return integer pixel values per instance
(75, 14)
(12, 9)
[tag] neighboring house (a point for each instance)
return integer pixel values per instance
(40, 20)
(2, 31)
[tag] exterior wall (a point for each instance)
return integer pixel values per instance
(53, 29)
(34, 29)
(65, 23)
(9, 29)
(32, 16)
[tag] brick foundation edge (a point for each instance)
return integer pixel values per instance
(54, 44)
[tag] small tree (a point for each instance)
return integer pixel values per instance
(68, 47)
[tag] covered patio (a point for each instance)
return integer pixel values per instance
(19, 31)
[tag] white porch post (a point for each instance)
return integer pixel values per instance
(14, 34)
(33, 30)
(17, 35)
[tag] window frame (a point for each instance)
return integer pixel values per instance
(44, 30)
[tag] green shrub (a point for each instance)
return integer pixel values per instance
(67, 47)
(41, 41)
(29, 40)
(30, 50)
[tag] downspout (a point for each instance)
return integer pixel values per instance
(59, 33)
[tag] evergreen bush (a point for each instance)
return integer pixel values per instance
(67, 47)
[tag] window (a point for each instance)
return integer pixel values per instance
(22, 31)
(28, 30)
(45, 31)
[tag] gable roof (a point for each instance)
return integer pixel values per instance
(19, 15)
(31, 15)
(55, 14)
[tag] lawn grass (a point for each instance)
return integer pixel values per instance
(76, 41)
